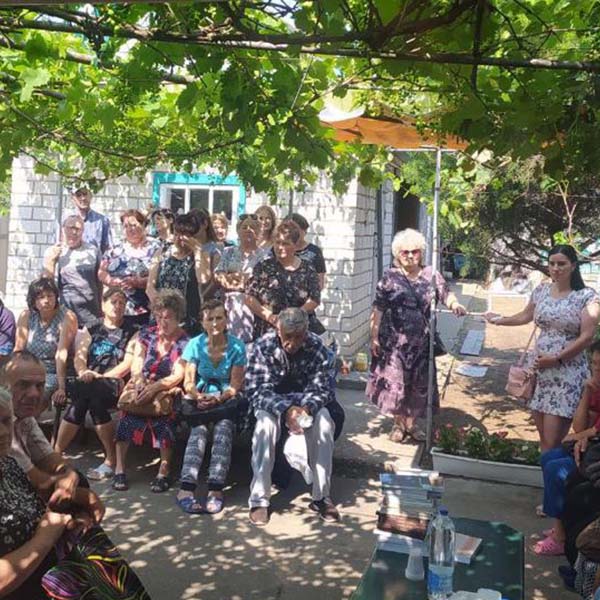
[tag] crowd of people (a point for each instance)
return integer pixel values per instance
(171, 332)
(175, 333)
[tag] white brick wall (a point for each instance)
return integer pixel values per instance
(37, 207)
(344, 227)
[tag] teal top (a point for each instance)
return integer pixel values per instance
(219, 376)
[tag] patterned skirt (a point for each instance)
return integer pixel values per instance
(160, 430)
(92, 568)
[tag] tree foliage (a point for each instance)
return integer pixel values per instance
(115, 88)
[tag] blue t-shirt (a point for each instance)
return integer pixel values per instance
(197, 352)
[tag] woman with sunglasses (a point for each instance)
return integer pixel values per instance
(400, 336)
(232, 272)
(183, 267)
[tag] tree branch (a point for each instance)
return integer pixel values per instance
(296, 43)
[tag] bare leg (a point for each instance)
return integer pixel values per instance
(106, 433)
(538, 419)
(559, 531)
(554, 430)
(165, 462)
(121, 451)
(66, 432)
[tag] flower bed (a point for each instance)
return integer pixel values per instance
(472, 453)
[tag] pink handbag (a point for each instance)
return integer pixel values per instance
(521, 380)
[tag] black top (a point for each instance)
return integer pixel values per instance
(313, 255)
(20, 512)
(108, 346)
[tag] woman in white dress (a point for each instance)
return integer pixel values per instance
(567, 314)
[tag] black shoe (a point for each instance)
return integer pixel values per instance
(567, 574)
(326, 509)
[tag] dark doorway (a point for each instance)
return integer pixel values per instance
(406, 210)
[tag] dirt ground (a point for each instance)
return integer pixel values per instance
(467, 401)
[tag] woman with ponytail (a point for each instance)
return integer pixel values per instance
(566, 313)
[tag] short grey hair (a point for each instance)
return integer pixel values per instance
(73, 217)
(293, 319)
(408, 239)
(170, 299)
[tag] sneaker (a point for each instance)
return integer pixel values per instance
(326, 509)
(259, 516)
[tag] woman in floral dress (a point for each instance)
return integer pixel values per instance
(400, 336)
(567, 314)
(126, 265)
(283, 281)
(157, 367)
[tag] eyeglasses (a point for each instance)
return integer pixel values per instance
(245, 216)
(414, 252)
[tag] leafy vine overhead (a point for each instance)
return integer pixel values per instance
(95, 90)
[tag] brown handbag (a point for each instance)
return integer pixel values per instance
(521, 380)
(160, 406)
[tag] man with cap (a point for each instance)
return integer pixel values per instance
(96, 227)
(287, 384)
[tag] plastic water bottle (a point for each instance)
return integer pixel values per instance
(441, 557)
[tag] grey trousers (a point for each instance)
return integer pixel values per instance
(319, 443)
(220, 456)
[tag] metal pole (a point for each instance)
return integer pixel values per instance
(431, 383)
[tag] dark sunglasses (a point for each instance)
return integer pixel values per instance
(245, 216)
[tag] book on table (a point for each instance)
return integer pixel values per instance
(466, 545)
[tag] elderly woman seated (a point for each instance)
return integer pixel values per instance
(103, 356)
(44, 547)
(214, 375)
(146, 402)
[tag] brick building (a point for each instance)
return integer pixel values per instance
(354, 230)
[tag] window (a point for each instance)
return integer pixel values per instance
(182, 192)
(216, 199)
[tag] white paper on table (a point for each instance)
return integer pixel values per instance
(470, 370)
